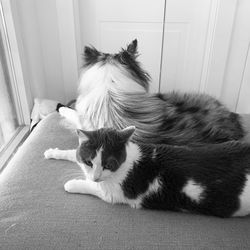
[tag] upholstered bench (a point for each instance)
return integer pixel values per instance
(36, 212)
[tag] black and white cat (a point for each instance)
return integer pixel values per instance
(211, 179)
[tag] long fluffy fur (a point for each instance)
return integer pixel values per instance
(113, 93)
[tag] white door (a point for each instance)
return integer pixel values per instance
(236, 89)
(243, 105)
(112, 24)
(183, 44)
(186, 25)
(195, 46)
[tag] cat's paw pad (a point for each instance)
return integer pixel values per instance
(50, 153)
(72, 186)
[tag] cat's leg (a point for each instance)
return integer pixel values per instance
(84, 187)
(55, 153)
(71, 115)
(98, 189)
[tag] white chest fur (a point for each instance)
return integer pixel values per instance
(244, 199)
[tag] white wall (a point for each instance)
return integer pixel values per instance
(46, 33)
(52, 34)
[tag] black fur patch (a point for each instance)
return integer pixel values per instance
(219, 169)
(142, 174)
(59, 105)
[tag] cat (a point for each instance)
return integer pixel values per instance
(210, 179)
(113, 92)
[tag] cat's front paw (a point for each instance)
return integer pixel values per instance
(50, 153)
(65, 111)
(74, 186)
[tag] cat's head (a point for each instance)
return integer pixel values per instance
(101, 152)
(122, 65)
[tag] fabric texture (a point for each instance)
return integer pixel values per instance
(36, 212)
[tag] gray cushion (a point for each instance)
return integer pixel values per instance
(36, 212)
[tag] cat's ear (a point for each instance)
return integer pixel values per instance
(83, 135)
(127, 133)
(132, 47)
(91, 55)
(129, 52)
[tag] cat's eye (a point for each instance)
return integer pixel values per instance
(108, 166)
(89, 163)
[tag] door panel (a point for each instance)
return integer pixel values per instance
(130, 10)
(236, 87)
(243, 105)
(186, 25)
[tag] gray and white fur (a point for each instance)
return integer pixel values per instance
(113, 92)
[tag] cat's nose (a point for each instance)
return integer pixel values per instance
(96, 176)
